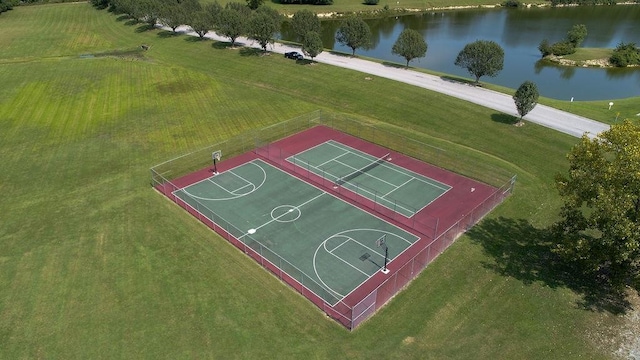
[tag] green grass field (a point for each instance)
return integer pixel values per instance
(95, 264)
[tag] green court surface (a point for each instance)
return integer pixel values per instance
(378, 179)
(325, 243)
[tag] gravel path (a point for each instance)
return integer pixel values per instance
(544, 115)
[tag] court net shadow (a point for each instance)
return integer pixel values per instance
(524, 252)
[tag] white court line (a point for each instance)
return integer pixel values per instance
(369, 175)
(336, 248)
(343, 260)
(334, 159)
(234, 192)
(275, 219)
(403, 184)
(395, 168)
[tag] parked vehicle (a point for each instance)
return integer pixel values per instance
(293, 55)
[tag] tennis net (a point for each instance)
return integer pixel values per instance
(346, 178)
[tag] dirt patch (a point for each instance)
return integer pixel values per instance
(408, 340)
(621, 336)
(629, 332)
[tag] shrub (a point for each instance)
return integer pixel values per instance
(512, 4)
(544, 47)
(562, 48)
(625, 55)
(371, 2)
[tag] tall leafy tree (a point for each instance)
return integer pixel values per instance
(202, 22)
(240, 7)
(231, 24)
(173, 14)
(600, 219)
(254, 4)
(480, 58)
(577, 34)
(303, 22)
(263, 26)
(312, 44)
(410, 45)
(526, 98)
(354, 33)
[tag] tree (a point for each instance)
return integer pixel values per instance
(231, 24)
(312, 44)
(254, 4)
(304, 21)
(600, 218)
(410, 45)
(526, 98)
(576, 35)
(354, 33)
(263, 26)
(201, 22)
(480, 58)
(173, 14)
(152, 10)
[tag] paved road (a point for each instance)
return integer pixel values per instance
(544, 115)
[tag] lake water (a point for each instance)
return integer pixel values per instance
(519, 32)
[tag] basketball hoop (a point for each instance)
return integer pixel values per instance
(216, 156)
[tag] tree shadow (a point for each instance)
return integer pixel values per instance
(144, 28)
(524, 252)
(394, 65)
(194, 39)
(123, 17)
(504, 118)
(246, 51)
(337, 53)
(164, 34)
(459, 80)
(221, 45)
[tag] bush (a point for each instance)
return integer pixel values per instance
(562, 48)
(371, 2)
(625, 55)
(512, 4)
(544, 47)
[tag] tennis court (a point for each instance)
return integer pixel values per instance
(325, 243)
(376, 178)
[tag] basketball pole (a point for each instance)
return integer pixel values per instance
(386, 258)
(382, 241)
(215, 168)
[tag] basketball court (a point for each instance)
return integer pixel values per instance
(299, 227)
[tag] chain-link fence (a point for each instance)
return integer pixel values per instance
(166, 178)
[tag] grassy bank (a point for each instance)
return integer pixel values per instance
(95, 264)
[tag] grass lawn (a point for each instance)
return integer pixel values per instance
(583, 54)
(95, 264)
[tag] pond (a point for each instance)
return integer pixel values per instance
(519, 32)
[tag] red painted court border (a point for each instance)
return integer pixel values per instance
(456, 210)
